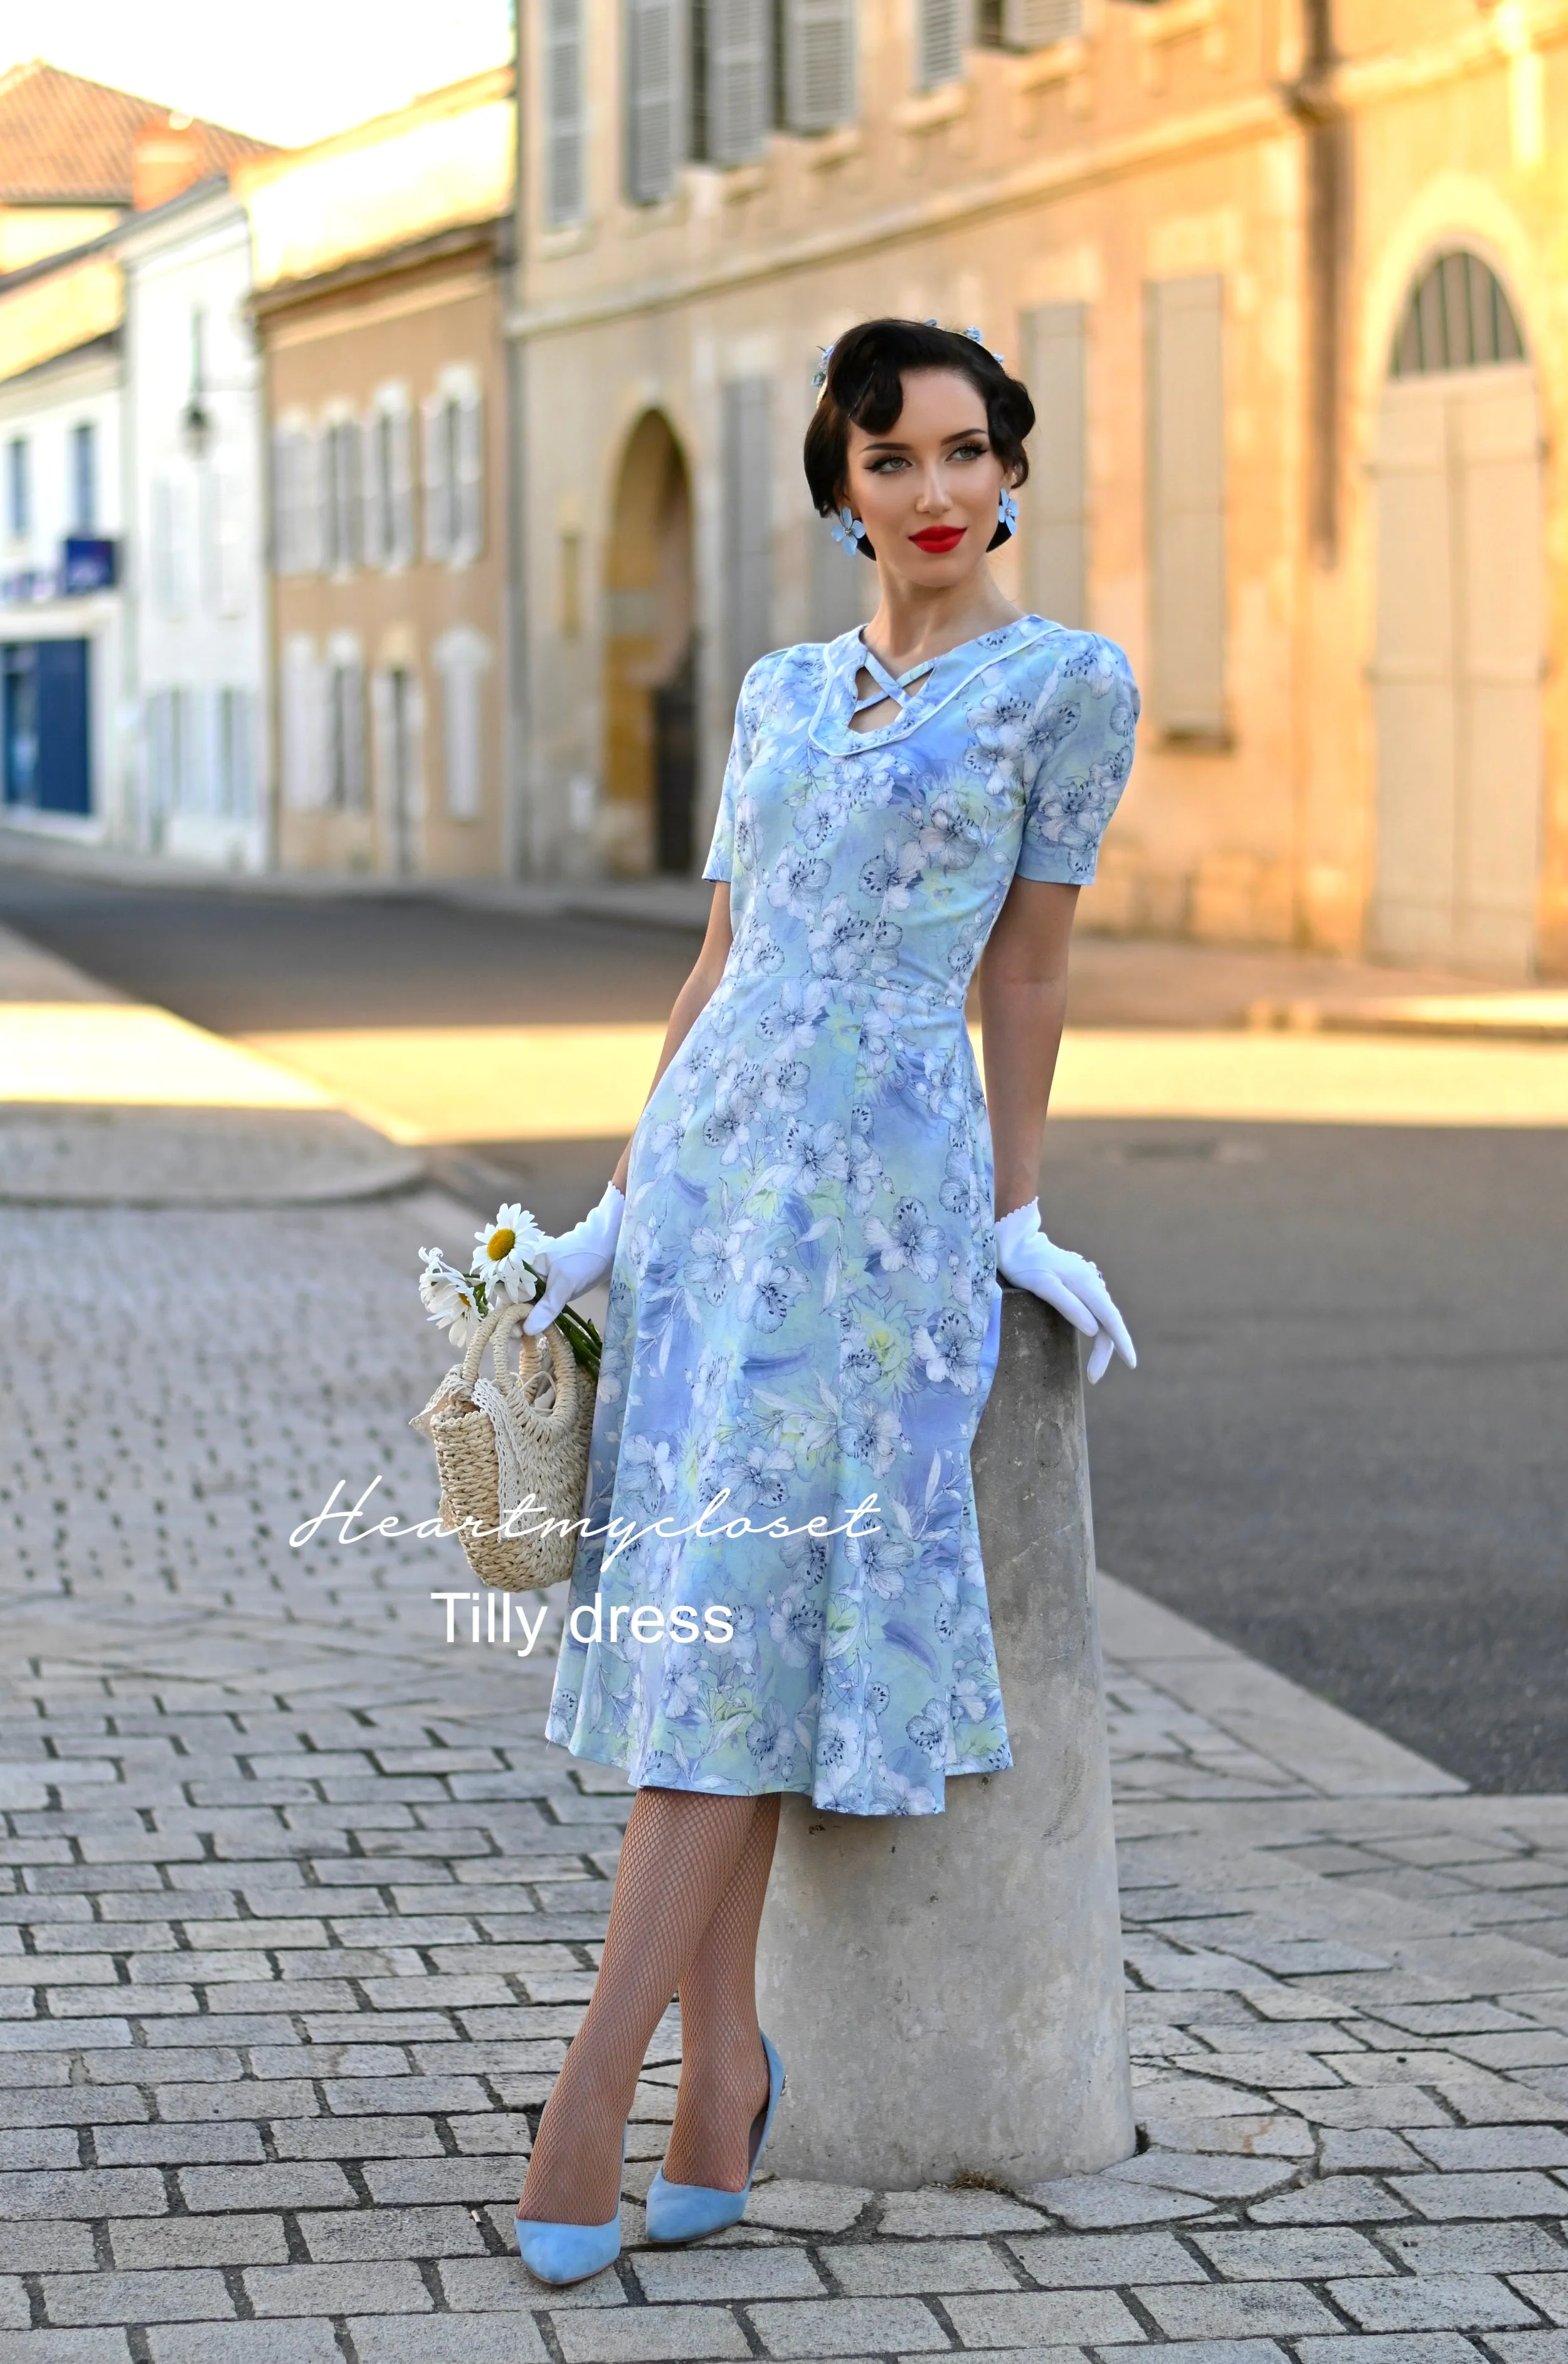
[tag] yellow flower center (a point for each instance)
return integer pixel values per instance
(500, 1243)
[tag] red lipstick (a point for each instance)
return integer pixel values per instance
(939, 539)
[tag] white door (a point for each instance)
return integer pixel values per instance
(1457, 677)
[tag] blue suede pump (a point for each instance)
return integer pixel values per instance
(568, 2253)
(686, 2212)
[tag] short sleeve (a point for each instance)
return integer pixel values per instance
(720, 863)
(1078, 755)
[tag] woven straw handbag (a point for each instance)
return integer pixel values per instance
(499, 1442)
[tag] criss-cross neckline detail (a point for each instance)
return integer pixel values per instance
(900, 687)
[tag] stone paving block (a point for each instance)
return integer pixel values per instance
(149, 2241)
(64, 2347)
(295, 2183)
(391, 2287)
(246, 2343)
(179, 2145)
(1099, 2260)
(1489, 2248)
(170, 2295)
(1443, 2197)
(43, 2248)
(707, 2274)
(1530, 2346)
(1236, 2311)
(352, 2097)
(1375, 2106)
(355, 2138)
(41, 2147)
(87, 2191)
(1290, 2253)
(885, 2269)
(350, 2236)
(1338, 2200)
(15, 2306)
(914, 2215)
(410, 2182)
(1201, 2351)
(1093, 2203)
(805, 2207)
(495, 2130)
(444, 2340)
(1455, 2147)
(1390, 2347)
(1343, 2151)
(1037, 2319)
(1212, 2178)
(504, 2285)
(836, 2327)
(1437, 2303)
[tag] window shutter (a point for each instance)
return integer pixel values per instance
(748, 519)
(161, 544)
(302, 721)
(462, 660)
(1035, 24)
(228, 551)
(346, 726)
(1186, 502)
(436, 471)
(657, 35)
(342, 506)
(819, 63)
(941, 29)
(400, 536)
(375, 504)
(182, 543)
(468, 443)
(737, 78)
(1056, 531)
(565, 161)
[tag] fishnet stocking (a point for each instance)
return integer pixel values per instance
(724, 2076)
(680, 1853)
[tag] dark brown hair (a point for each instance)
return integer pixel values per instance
(865, 387)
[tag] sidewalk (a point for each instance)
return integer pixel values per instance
(302, 1912)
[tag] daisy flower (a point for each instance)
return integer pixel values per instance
(501, 1254)
(447, 1296)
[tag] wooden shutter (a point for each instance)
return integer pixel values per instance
(1035, 24)
(737, 78)
(1186, 503)
(748, 521)
(375, 505)
(941, 29)
(819, 63)
(565, 175)
(468, 454)
(437, 474)
(656, 37)
(1055, 535)
(400, 536)
(300, 700)
(462, 659)
(229, 541)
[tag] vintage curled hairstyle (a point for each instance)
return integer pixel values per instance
(863, 386)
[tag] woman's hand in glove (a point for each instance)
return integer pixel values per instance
(1030, 1260)
(579, 1260)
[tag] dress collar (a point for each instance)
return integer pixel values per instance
(917, 694)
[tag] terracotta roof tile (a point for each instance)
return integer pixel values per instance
(65, 140)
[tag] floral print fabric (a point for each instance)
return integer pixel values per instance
(805, 1274)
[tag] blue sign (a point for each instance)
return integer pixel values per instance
(86, 564)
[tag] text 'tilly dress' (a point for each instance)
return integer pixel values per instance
(802, 1301)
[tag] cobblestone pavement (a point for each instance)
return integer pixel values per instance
(300, 1912)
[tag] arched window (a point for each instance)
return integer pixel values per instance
(1458, 318)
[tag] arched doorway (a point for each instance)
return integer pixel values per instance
(1460, 621)
(650, 660)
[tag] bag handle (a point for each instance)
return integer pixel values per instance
(493, 1331)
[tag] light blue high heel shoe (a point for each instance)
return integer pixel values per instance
(568, 2253)
(686, 2212)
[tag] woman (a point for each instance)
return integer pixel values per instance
(804, 1305)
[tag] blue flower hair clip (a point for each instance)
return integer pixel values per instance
(975, 337)
(820, 374)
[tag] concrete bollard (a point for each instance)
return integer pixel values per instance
(947, 1990)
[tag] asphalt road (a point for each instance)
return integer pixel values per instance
(1346, 1446)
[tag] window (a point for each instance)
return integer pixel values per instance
(748, 521)
(818, 63)
(732, 97)
(941, 29)
(657, 41)
(18, 488)
(1184, 328)
(565, 128)
(175, 771)
(340, 497)
(300, 701)
(463, 659)
(454, 470)
(297, 503)
(1056, 534)
(222, 538)
(83, 477)
(345, 724)
(170, 537)
(1458, 318)
(388, 488)
(1027, 24)
(235, 753)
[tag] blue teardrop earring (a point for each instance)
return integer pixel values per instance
(1007, 511)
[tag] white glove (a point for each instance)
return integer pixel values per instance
(578, 1260)
(1071, 1283)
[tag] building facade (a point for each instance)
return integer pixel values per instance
(62, 652)
(199, 605)
(1282, 276)
(381, 263)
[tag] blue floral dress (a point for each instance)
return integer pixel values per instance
(804, 1306)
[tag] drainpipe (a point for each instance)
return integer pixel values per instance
(1327, 135)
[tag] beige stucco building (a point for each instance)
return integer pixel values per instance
(1287, 277)
(380, 259)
